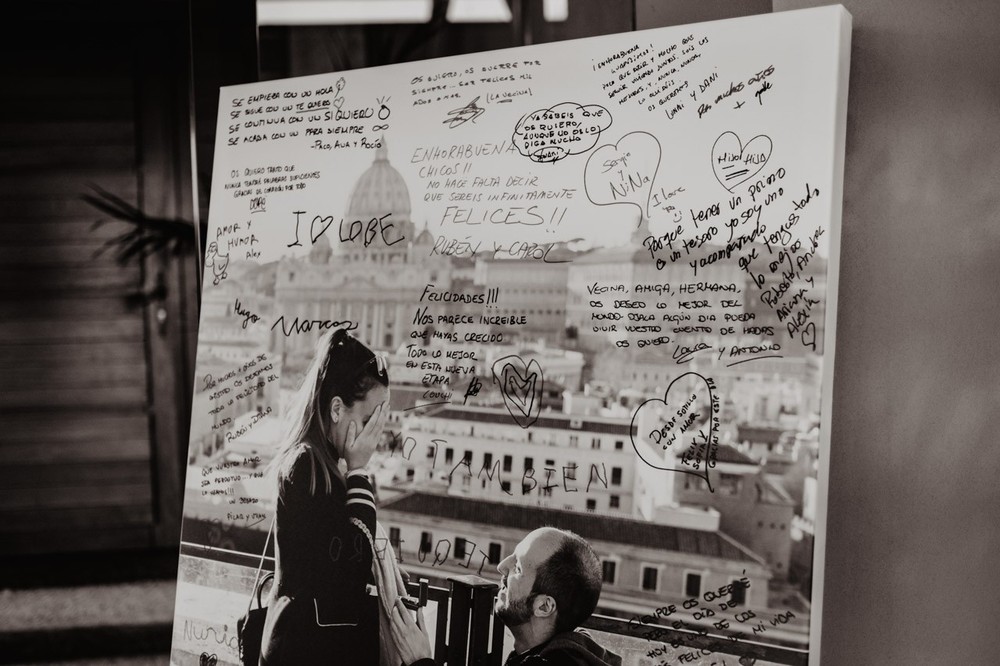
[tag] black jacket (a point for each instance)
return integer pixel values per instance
(570, 648)
(324, 608)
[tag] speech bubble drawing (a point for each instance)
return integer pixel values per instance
(568, 128)
(733, 163)
(624, 172)
(679, 433)
(521, 386)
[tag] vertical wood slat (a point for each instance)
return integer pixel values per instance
(441, 637)
(480, 653)
(474, 637)
(458, 621)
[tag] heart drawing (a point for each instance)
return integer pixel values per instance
(623, 173)
(679, 433)
(521, 387)
(208, 659)
(735, 163)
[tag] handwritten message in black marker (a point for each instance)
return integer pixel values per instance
(683, 321)
(454, 247)
(624, 172)
(258, 182)
(549, 135)
(447, 330)
(225, 479)
(571, 478)
(679, 433)
(374, 231)
(233, 388)
(497, 82)
(714, 93)
(475, 190)
(653, 76)
(720, 612)
(735, 163)
(320, 118)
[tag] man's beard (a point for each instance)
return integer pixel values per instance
(518, 611)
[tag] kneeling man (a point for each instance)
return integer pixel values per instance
(551, 584)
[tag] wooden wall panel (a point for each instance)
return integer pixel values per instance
(92, 353)
(914, 503)
(76, 468)
(67, 539)
(82, 437)
(25, 521)
(34, 133)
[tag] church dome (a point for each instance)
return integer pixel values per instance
(380, 190)
(425, 237)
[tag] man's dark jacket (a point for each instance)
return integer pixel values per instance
(570, 648)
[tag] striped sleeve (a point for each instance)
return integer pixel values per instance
(361, 499)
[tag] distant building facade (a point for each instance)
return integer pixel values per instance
(753, 510)
(530, 290)
(579, 463)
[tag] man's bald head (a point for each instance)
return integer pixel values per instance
(570, 573)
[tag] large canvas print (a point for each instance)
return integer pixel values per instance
(535, 345)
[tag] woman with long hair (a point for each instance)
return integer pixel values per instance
(324, 603)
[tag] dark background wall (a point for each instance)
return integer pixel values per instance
(95, 350)
(914, 544)
(914, 503)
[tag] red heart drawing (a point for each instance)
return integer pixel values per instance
(208, 659)
(521, 387)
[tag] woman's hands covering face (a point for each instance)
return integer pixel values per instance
(360, 446)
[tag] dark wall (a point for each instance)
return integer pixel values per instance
(96, 340)
(223, 35)
(911, 574)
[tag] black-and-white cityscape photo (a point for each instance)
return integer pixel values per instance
(534, 328)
